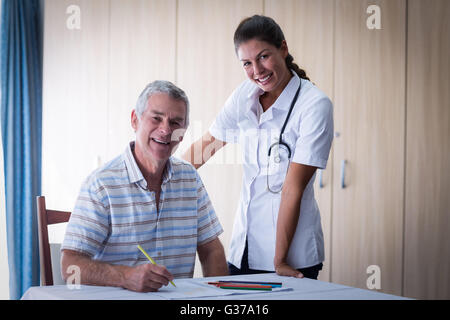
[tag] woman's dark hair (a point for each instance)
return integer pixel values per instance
(265, 29)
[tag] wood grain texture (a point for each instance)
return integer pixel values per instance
(142, 49)
(370, 116)
(427, 213)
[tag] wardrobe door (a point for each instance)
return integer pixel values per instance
(367, 229)
(427, 201)
(308, 28)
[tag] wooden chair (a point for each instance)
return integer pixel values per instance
(45, 218)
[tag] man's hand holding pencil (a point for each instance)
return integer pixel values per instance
(146, 277)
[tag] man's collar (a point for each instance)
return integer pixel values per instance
(135, 174)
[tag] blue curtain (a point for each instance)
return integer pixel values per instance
(21, 123)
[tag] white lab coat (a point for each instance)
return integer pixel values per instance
(309, 133)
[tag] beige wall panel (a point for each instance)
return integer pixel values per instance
(369, 116)
(308, 28)
(74, 98)
(427, 213)
(141, 50)
(208, 70)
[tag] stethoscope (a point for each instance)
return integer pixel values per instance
(280, 141)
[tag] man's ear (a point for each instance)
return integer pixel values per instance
(134, 120)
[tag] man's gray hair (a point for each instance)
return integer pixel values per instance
(161, 86)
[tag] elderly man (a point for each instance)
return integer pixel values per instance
(145, 197)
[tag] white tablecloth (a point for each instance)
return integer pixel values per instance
(293, 289)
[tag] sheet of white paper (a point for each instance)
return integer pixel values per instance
(190, 289)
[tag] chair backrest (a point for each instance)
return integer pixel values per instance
(45, 218)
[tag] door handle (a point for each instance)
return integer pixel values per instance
(343, 163)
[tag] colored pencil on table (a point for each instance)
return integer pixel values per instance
(240, 286)
(232, 284)
(245, 288)
(273, 284)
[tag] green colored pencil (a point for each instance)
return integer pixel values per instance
(245, 288)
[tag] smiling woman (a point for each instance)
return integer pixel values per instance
(281, 239)
(264, 64)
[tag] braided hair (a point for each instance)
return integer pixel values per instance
(264, 29)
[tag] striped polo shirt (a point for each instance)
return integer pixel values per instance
(115, 212)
